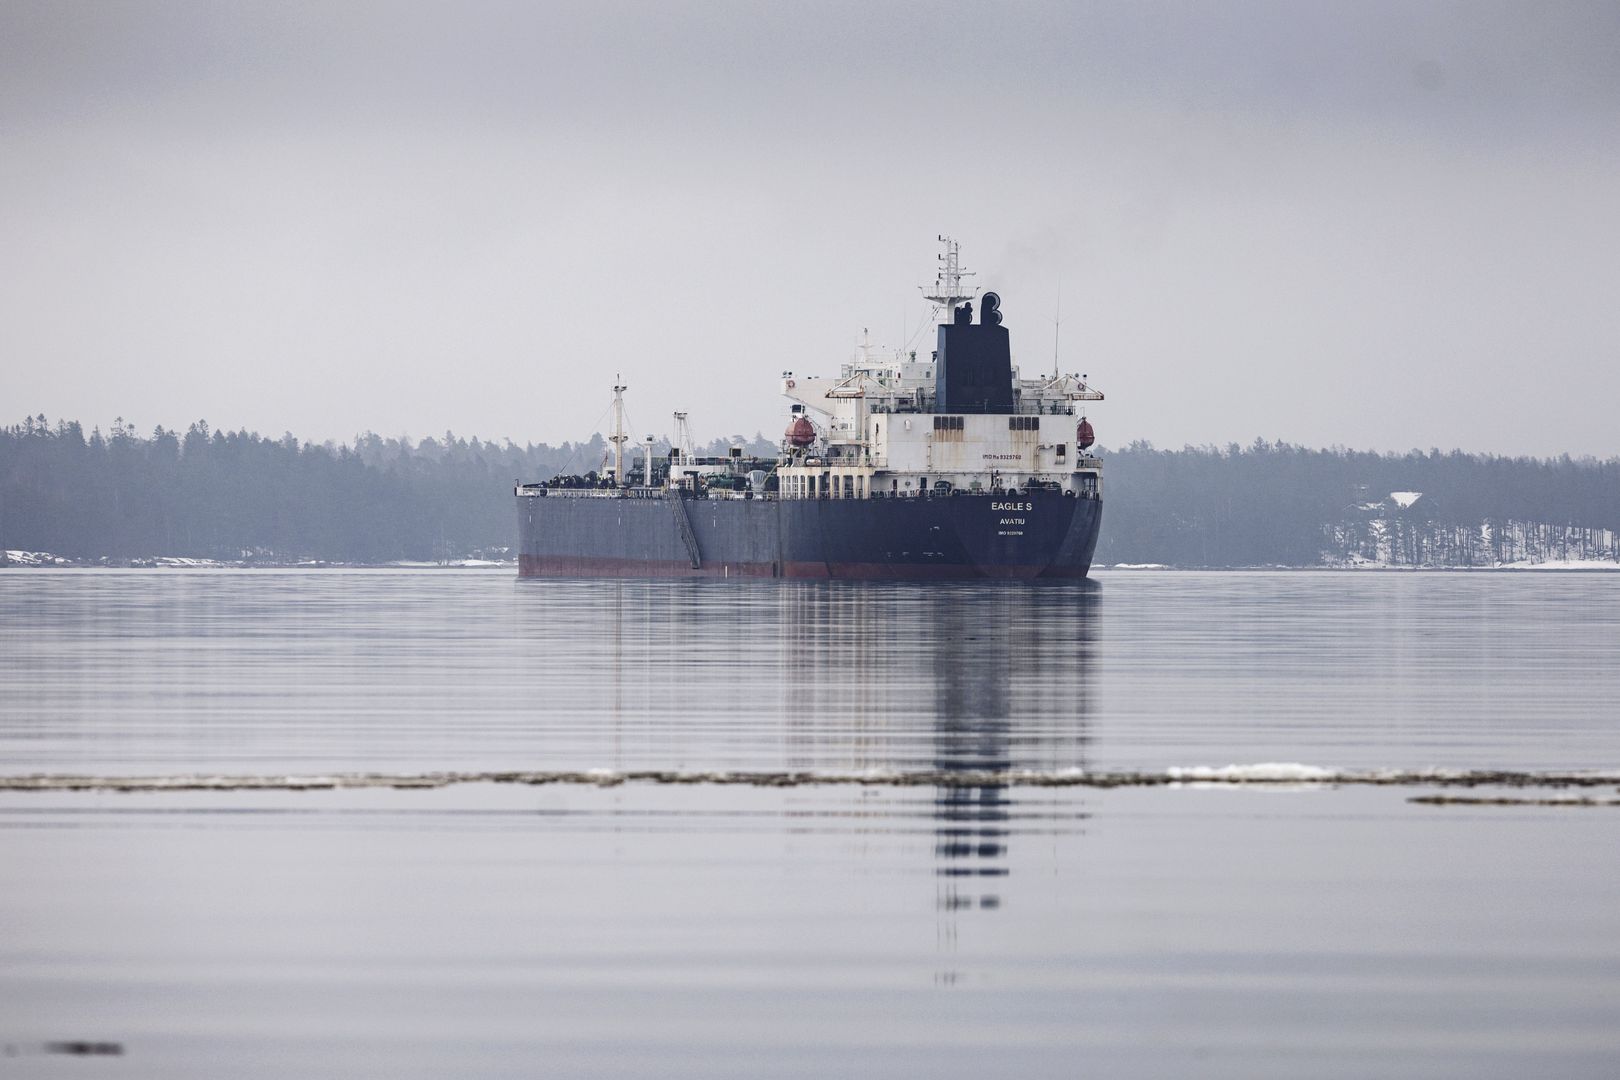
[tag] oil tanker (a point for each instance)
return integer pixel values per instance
(953, 466)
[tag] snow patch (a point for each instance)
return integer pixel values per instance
(34, 558)
(1404, 499)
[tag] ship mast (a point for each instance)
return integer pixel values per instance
(683, 439)
(618, 437)
(948, 288)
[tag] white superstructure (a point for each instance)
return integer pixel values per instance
(876, 430)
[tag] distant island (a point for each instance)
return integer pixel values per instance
(207, 497)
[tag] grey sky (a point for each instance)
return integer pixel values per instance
(1381, 225)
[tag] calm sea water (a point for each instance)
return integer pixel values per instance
(873, 929)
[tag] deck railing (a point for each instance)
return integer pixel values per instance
(529, 491)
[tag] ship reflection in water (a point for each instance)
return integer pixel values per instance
(959, 677)
(1003, 678)
(972, 735)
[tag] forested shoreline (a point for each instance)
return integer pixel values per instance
(242, 497)
(1273, 504)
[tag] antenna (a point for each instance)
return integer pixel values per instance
(1057, 325)
(948, 285)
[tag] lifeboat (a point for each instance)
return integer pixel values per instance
(801, 432)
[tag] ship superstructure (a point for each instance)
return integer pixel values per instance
(951, 466)
(962, 420)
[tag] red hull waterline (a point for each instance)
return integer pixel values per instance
(559, 566)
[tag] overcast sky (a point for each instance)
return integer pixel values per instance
(1378, 225)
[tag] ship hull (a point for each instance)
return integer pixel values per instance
(1042, 535)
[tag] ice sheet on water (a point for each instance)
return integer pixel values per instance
(1273, 774)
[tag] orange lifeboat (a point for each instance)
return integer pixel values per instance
(801, 432)
(1084, 436)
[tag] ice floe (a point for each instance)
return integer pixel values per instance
(1266, 774)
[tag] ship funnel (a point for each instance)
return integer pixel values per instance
(973, 366)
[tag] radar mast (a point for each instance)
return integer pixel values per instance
(948, 288)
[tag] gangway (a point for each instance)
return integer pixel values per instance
(677, 503)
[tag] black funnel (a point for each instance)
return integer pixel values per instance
(973, 365)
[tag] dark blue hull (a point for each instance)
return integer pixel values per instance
(1043, 535)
